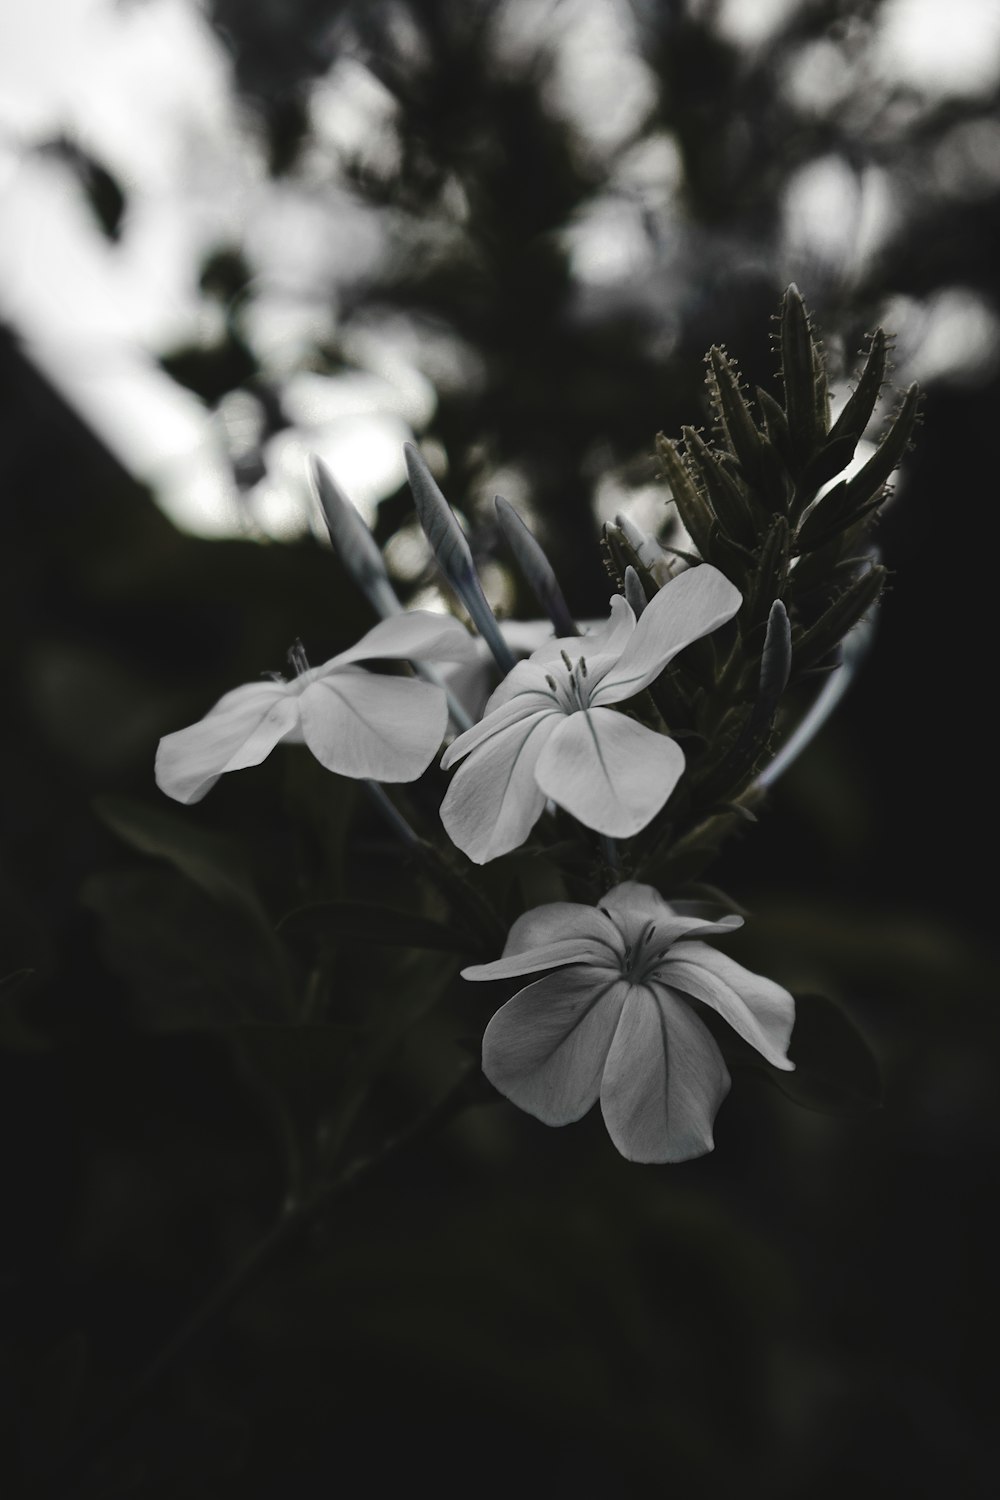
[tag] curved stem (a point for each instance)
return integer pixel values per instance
(297, 1216)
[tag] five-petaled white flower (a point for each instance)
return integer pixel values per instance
(548, 731)
(357, 723)
(617, 1020)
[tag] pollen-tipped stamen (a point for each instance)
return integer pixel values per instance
(297, 659)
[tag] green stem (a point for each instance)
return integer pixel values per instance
(483, 918)
(297, 1216)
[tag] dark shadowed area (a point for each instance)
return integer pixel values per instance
(509, 232)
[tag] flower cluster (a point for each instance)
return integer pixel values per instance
(641, 740)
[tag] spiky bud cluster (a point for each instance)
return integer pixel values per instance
(757, 500)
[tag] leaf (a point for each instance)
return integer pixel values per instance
(367, 921)
(206, 858)
(836, 1071)
(190, 962)
(304, 1064)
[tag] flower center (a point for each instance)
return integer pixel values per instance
(642, 956)
(297, 659)
(571, 688)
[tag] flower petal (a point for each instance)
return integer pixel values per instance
(695, 603)
(364, 725)
(559, 920)
(241, 730)
(608, 771)
(557, 933)
(523, 705)
(664, 1080)
(494, 800)
(757, 1009)
(598, 958)
(414, 635)
(545, 1050)
(610, 637)
(633, 907)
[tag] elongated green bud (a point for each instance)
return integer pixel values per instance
(634, 595)
(360, 555)
(741, 430)
(538, 571)
(800, 365)
(770, 576)
(867, 482)
(861, 403)
(775, 664)
(725, 495)
(357, 548)
(451, 548)
(840, 616)
(692, 507)
(855, 647)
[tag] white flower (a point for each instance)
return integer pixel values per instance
(356, 723)
(548, 732)
(618, 1020)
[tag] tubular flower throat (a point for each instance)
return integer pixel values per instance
(617, 1020)
(548, 730)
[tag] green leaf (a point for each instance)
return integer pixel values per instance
(209, 860)
(368, 922)
(304, 1065)
(189, 961)
(836, 1071)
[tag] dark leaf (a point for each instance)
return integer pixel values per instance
(208, 859)
(189, 962)
(367, 922)
(836, 1072)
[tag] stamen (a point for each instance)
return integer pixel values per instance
(582, 664)
(568, 663)
(297, 659)
(551, 681)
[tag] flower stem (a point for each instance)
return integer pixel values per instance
(297, 1216)
(483, 918)
(391, 814)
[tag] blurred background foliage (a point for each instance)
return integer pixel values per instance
(510, 230)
